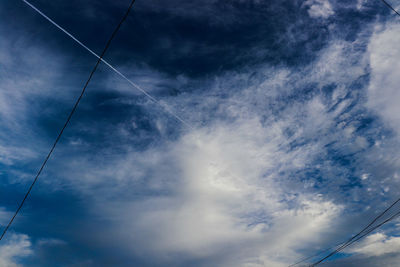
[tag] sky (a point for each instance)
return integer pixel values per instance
(290, 144)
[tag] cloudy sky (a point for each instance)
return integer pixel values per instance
(290, 144)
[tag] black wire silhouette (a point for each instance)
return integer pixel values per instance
(68, 119)
(361, 234)
(388, 5)
(357, 239)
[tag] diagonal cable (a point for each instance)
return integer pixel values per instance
(373, 229)
(342, 245)
(389, 6)
(345, 244)
(360, 237)
(365, 231)
(68, 120)
(313, 256)
(137, 87)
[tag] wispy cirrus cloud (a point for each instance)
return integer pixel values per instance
(285, 157)
(383, 90)
(237, 180)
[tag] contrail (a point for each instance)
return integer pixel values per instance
(165, 107)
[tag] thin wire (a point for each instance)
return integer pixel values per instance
(166, 107)
(100, 59)
(68, 120)
(360, 237)
(313, 256)
(388, 5)
(374, 228)
(351, 239)
(360, 234)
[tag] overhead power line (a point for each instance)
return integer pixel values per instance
(148, 95)
(365, 231)
(68, 119)
(342, 246)
(374, 228)
(313, 256)
(388, 5)
(353, 239)
(361, 233)
(359, 237)
(137, 87)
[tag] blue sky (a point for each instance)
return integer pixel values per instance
(293, 144)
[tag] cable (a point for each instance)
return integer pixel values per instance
(374, 228)
(100, 59)
(312, 256)
(360, 237)
(388, 5)
(68, 120)
(137, 87)
(351, 239)
(360, 234)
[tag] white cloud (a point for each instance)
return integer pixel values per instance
(319, 8)
(227, 190)
(383, 92)
(377, 245)
(16, 246)
(226, 198)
